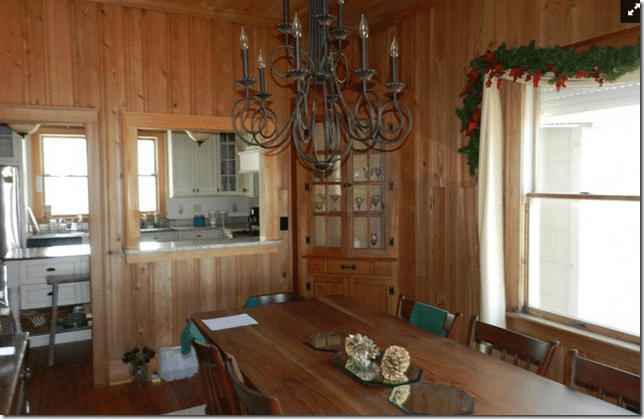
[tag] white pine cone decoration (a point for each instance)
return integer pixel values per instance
(395, 363)
(361, 347)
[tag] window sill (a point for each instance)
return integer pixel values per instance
(573, 334)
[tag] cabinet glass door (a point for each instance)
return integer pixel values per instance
(327, 209)
(367, 200)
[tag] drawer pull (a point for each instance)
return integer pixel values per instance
(50, 269)
(348, 267)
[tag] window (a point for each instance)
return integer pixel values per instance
(150, 161)
(64, 174)
(584, 209)
(147, 175)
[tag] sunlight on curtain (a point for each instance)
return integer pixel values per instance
(490, 208)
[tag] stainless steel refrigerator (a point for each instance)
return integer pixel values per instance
(10, 209)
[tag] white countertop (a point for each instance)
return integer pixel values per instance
(48, 252)
(188, 245)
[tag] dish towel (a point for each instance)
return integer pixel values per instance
(429, 318)
(190, 333)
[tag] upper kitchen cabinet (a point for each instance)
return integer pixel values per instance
(205, 168)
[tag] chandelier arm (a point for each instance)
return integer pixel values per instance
(396, 134)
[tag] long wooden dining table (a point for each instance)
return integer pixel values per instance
(275, 359)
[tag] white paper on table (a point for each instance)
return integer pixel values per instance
(229, 322)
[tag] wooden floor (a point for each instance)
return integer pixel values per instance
(67, 388)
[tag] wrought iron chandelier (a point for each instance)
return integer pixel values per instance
(323, 126)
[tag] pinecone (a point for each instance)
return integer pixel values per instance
(401, 394)
(360, 346)
(395, 362)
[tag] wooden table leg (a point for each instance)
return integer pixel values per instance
(54, 320)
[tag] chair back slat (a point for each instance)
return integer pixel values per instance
(274, 298)
(254, 402)
(603, 380)
(530, 350)
(405, 307)
(220, 393)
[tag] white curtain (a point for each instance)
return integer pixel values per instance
(490, 208)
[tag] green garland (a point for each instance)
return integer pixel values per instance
(597, 63)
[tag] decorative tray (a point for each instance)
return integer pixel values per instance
(414, 374)
(432, 399)
(326, 341)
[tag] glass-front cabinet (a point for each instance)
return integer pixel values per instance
(350, 230)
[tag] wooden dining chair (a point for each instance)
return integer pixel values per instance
(530, 351)
(220, 393)
(428, 317)
(603, 381)
(275, 298)
(253, 402)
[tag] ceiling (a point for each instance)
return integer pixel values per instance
(379, 13)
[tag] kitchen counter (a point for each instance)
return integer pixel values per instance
(48, 252)
(196, 249)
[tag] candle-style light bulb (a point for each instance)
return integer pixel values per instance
(393, 52)
(297, 27)
(260, 60)
(393, 49)
(243, 39)
(363, 29)
(262, 77)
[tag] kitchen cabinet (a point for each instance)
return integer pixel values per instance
(350, 229)
(28, 284)
(192, 169)
(208, 169)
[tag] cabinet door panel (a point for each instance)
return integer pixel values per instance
(36, 271)
(182, 165)
(372, 295)
(329, 286)
(205, 179)
(35, 296)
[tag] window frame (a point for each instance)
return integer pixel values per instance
(37, 164)
(527, 197)
(160, 142)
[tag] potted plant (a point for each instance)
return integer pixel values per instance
(138, 360)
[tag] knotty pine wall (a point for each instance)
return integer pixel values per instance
(89, 54)
(85, 53)
(437, 39)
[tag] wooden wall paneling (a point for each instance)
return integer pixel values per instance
(59, 53)
(223, 59)
(134, 77)
(180, 65)
(87, 55)
(201, 59)
(121, 332)
(207, 290)
(142, 305)
(35, 69)
(185, 297)
(161, 291)
(229, 283)
(12, 57)
(250, 271)
(156, 62)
